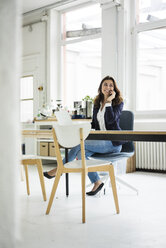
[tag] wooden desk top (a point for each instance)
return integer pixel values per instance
(37, 133)
(47, 119)
(54, 119)
(154, 136)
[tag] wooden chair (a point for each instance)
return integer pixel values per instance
(34, 160)
(29, 160)
(69, 136)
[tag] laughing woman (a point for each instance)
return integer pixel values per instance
(108, 106)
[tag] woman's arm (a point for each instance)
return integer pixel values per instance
(112, 114)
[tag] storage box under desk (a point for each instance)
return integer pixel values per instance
(51, 149)
(43, 148)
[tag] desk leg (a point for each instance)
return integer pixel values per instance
(67, 175)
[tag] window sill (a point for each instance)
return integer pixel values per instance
(150, 124)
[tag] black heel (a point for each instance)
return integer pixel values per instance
(47, 175)
(96, 191)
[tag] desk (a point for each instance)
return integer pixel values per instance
(152, 136)
(145, 136)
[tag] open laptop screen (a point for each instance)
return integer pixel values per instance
(63, 117)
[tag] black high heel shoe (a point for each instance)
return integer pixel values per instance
(47, 175)
(96, 191)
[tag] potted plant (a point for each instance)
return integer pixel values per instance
(88, 103)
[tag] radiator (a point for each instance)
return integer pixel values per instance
(151, 155)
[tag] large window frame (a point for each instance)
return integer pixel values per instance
(137, 29)
(78, 36)
(27, 99)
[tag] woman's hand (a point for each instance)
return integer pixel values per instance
(111, 97)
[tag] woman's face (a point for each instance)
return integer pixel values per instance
(107, 88)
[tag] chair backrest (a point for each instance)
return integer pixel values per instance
(127, 120)
(127, 123)
(69, 135)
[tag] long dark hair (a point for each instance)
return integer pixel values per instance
(100, 97)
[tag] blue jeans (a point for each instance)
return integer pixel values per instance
(91, 147)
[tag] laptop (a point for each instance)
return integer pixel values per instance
(63, 117)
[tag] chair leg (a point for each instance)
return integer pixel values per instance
(113, 183)
(126, 184)
(40, 171)
(27, 178)
(83, 181)
(54, 188)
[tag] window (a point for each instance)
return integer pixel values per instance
(150, 11)
(26, 97)
(81, 54)
(151, 85)
(151, 57)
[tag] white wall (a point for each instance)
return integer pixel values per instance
(117, 48)
(109, 42)
(42, 54)
(54, 90)
(113, 45)
(118, 56)
(9, 126)
(34, 59)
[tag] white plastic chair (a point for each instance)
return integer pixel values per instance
(69, 136)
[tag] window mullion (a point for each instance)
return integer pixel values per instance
(150, 25)
(89, 37)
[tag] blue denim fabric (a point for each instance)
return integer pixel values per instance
(91, 147)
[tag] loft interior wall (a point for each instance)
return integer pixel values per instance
(114, 46)
(117, 55)
(53, 52)
(10, 128)
(34, 59)
(54, 64)
(43, 42)
(112, 62)
(109, 42)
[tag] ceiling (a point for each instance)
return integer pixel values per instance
(29, 5)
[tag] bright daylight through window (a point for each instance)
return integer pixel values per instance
(26, 97)
(151, 57)
(151, 10)
(81, 53)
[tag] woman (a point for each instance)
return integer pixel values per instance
(108, 106)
